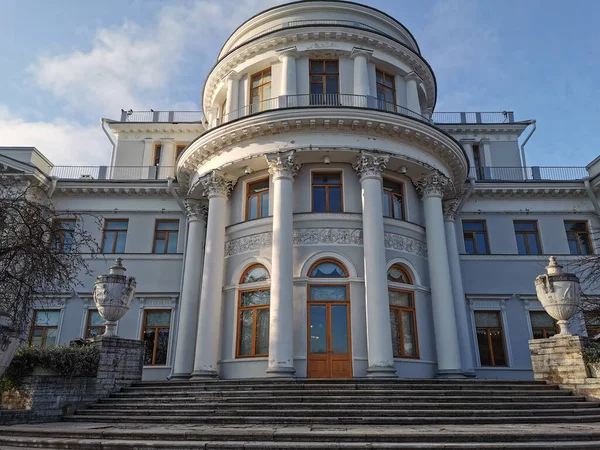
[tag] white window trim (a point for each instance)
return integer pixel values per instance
(490, 304)
(531, 305)
(153, 301)
(88, 304)
(341, 171)
(52, 303)
(254, 178)
(396, 179)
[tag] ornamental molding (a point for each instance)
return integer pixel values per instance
(282, 165)
(472, 130)
(297, 36)
(195, 210)
(488, 304)
(317, 120)
(529, 189)
(434, 184)
(450, 208)
(157, 302)
(92, 189)
(217, 184)
(325, 236)
(157, 127)
(533, 305)
(370, 165)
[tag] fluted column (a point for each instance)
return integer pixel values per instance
(190, 291)
(432, 188)
(379, 336)
(412, 92)
(231, 107)
(282, 168)
(460, 306)
(361, 75)
(217, 187)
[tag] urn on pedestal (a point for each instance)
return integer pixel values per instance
(559, 294)
(113, 294)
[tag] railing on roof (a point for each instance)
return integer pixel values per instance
(532, 173)
(162, 116)
(473, 117)
(113, 173)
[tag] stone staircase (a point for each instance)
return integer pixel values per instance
(325, 414)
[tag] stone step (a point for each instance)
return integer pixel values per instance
(338, 414)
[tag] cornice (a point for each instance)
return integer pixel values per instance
(156, 127)
(319, 120)
(487, 128)
(529, 190)
(107, 189)
(292, 36)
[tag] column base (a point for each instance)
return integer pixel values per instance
(381, 372)
(470, 374)
(281, 372)
(180, 377)
(450, 373)
(200, 375)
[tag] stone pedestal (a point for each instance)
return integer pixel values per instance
(558, 360)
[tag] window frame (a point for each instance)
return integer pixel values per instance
(260, 88)
(393, 196)
(62, 232)
(166, 240)
(526, 233)
(157, 155)
(327, 260)
(156, 327)
(543, 329)
(489, 338)
(259, 195)
(105, 231)
(577, 233)
(88, 327)
(474, 237)
(252, 287)
(323, 81)
(45, 328)
(179, 150)
(326, 186)
(413, 311)
(385, 89)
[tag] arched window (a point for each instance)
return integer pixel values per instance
(253, 312)
(327, 268)
(402, 313)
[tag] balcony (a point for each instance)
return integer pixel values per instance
(121, 173)
(162, 116)
(440, 118)
(528, 174)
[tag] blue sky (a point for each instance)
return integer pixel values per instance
(67, 63)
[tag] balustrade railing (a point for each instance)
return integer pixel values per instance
(532, 173)
(113, 173)
(473, 117)
(162, 116)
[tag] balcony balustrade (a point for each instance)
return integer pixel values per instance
(113, 173)
(162, 116)
(532, 173)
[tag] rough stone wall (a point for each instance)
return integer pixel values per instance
(49, 397)
(558, 360)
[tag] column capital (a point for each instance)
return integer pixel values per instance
(283, 165)
(450, 208)
(231, 75)
(412, 76)
(217, 184)
(358, 51)
(370, 165)
(433, 184)
(148, 140)
(195, 210)
(291, 52)
(165, 141)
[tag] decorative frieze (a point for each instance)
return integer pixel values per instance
(340, 236)
(282, 165)
(405, 244)
(248, 243)
(195, 210)
(217, 184)
(370, 165)
(434, 184)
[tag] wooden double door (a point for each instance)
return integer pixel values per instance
(329, 344)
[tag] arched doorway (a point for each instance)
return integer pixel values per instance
(329, 344)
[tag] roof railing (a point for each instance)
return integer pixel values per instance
(473, 117)
(162, 116)
(113, 173)
(528, 174)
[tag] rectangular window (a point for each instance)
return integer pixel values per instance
(528, 238)
(403, 324)
(257, 199)
(64, 230)
(260, 90)
(157, 153)
(166, 233)
(253, 316)
(324, 82)
(114, 235)
(490, 340)
(94, 324)
(475, 236)
(44, 331)
(178, 151)
(155, 335)
(542, 325)
(327, 192)
(386, 91)
(393, 199)
(578, 237)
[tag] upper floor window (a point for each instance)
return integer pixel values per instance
(490, 338)
(324, 82)
(178, 151)
(157, 154)
(475, 236)
(578, 238)
(253, 312)
(166, 233)
(64, 230)
(155, 335)
(542, 325)
(393, 199)
(386, 90)
(44, 330)
(528, 238)
(94, 324)
(260, 90)
(114, 235)
(257, 199)
(403, 321)
(327, 192)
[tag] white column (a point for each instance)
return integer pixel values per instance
(361, 76)
(167, 159)
(282, 168)
(288, 58)
(487, 153)
(148, 158)
(190, 291)
(412, 92)
(231, 107)
(379, 336)
(431, 188)
(460, 305)
(212, 117)
(217, 188)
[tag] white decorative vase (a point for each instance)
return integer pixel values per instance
(559, 294)
(9, 342)
(113, 294)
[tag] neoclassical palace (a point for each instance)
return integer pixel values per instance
(319, 217)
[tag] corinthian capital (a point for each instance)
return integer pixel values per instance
(450, 207)
(217, 183)
(195, 210)
(370, 165)
(433, 184)
(283, 165)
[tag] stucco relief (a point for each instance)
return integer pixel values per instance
(325, 236)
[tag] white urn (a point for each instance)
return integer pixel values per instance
(559, 293)
(9, 342)
(113, 294)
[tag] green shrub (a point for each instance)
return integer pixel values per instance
(591, 354)
(65, 360)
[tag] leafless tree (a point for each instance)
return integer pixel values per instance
(587, 268)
